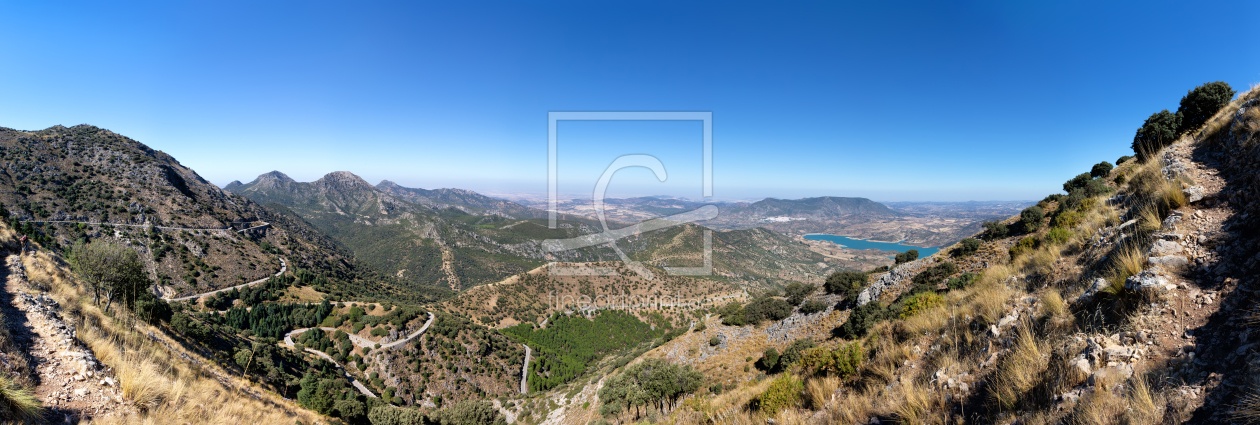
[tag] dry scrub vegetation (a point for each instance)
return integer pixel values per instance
(163, 386)
(1014, 336)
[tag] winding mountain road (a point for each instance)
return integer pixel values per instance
(366, 343)
(525, 369)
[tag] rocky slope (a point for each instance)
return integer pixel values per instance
(428, 241)
(1131, 307)
(83, 182)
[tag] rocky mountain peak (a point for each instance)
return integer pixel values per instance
(343, 180)
(276, 176)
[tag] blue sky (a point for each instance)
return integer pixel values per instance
(888, 100)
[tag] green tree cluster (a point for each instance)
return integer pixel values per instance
(967, 247)
(796, 292)
(847, 283)
(1201, 103)
(994, 230)
(906, 257)
(651, 384)
(571, 343)
(1101, 169)
(1031, 218)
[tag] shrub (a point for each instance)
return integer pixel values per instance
(783, 393)
(844, 361)
(967, 247)
(928, 280)
(797, 292)
(1024, 245)
(813, 306)
(919, 303)
(907, 256)
(715, 341)
(469, 412)
(962, 282)
(769, 359)
(1159, 130)
(766, 308)
(1101, 169)
(1068, 219)
(1078, 182)
(847, 283)
(1096, 187)
(861, 320)
(1198, 105)
(794, 352)
(994, 230)
(1058, 236)
(389, 415)
(732, 314)
(1123, 159)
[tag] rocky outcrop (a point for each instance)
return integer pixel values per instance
(893, 279)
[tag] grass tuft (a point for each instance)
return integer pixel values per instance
(1020, 369)
(17, 402)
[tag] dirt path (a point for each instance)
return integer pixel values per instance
(1203, 325)
(70, 382)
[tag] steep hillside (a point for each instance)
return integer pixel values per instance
(63, 184)
(532, 297)
(76, 362)
(434, 241)
(1125, 301)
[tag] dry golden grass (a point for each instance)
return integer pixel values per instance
(163, 387)
(851, 407)
(1129, 261)
(18, 403)
(987, 300)
(919, 404)
(1144, 407)
(818, 390)
(1020, 369)
(1052, 305)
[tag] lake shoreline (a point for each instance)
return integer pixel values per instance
(861, 244)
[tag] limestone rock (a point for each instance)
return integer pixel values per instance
(1194, 194)
(1169, 260)
(1098, 286)
(1165, 247)
(1146, 279)
(1083, 367)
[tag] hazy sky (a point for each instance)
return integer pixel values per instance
(888, 100)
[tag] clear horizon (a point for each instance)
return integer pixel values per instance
(912, 101)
